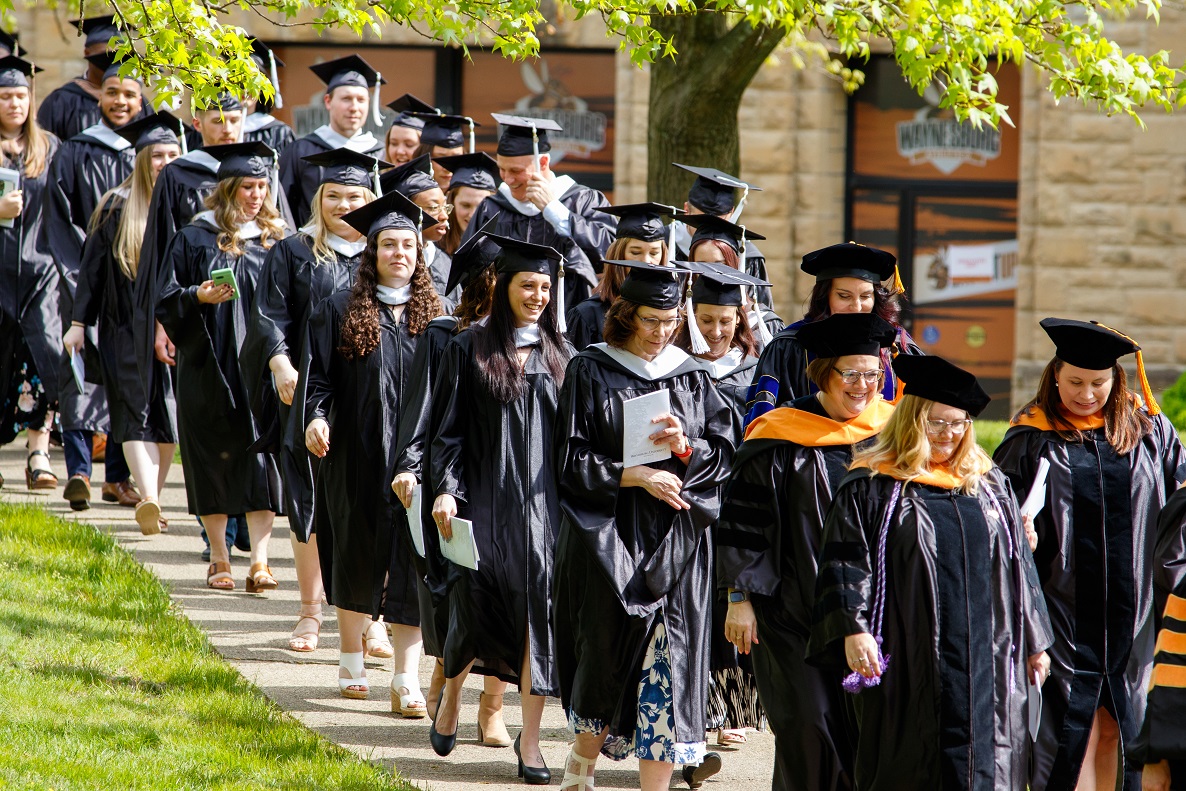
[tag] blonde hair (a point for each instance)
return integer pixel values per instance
(129, 236)
(322, 252)
(903, 449)
(226, 216)
(35, 157)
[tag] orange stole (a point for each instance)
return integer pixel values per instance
(814, 431)
(1040, 421)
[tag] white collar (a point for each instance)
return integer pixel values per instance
(725, 364)
(256, 122)
(337, 243)
(104, 134)
(202, 159)
(527, 336)
(248, 230)
(394, 296)
(665, 362)
(560, 185)
(430, 253)
(361, 143)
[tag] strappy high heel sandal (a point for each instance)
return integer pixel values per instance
(38, 479)
(580, 778)
(353, 684)
(377, 645)
(218, 576)
(406, 697)
(305, 640)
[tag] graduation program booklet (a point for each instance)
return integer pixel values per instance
(1036, 499)
(10, 181)
(461, 548)
(415, 521)
(637, 428)
(78, 369)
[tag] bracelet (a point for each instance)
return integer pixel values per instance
(687, 451)
(77, 324)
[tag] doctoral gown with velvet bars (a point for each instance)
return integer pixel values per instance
(214, 421)
(1097, 560)
(413, 442)
(585, 322)
(592, 234)
(359, 524)
(85, 168)
(496, 460)
(963, 611)
(104, 298)
(625, 558)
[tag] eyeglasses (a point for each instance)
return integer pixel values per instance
(939, 426)
(650, 324)
(437, 208)
(851, 377)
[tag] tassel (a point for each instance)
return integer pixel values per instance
(470, 121)
(1146, 391)
(378, 190)
(671, 252)
(181, 138)
(535, 148)
(763, 331)
(740, 205)
(699, 345)
(378, 116)
(277, 100)
(420, 230)
(275, 181)
(899, 288)
(561, 320)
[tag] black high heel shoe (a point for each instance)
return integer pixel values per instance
(442, 745)
(531, 775)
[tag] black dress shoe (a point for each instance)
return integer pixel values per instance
(695, 776)
(531, 775)
(441, 745)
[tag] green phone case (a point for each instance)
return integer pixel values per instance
(226, 277)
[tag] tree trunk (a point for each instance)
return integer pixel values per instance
(694, 98)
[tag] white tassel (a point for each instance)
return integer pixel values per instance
(471, 134)
(740, 205)
(420, 230)
(763, 331)
(181, 138)
(699, 345)
(671, 254)
(277, 100)
(535, 149)
(275, 185)
(378, 190)
(378, 117)
(560, 299)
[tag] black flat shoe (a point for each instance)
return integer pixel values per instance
(695, 776)
(442, 745)
(531, 775)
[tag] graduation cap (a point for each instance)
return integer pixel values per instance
(247, 160)
(265, 58)
(709, 226)
(161, 127)
(226, 101)
(446, 131)
(472, 258)
(522, 136)
(654, 286)
(15, 72)
(933, 378)
(393, 211)
(348, 168)
(642, 221)
(842, 334)
(479, 171)
(97, 29)
(1096, 347)
(351, 70)
(410, 178)
(106, 62)
(717, 284)
(853, 260)
(8, 43)
(712, 191)
(406, 107)
(518, 256)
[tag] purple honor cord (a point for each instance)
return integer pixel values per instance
(854, 682)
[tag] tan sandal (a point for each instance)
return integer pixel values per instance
(219, 577)
(148, 516)
(260, 578)
(307, 639)
(378, 646)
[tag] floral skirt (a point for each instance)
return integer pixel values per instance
(654, 734)
(25, 404)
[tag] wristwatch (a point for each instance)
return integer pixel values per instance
(737, 596)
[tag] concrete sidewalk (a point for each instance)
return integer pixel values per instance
(251, 631)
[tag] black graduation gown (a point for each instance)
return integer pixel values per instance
(623, 557)
(585, 322)
(1096, 554)
(85, 168)
(592, 234)
(263, 128)
(299, 180)
(733, 387)
(359, 524)
(29, 281)
(413, 442)
(440, 265)
(215, 424)
(755, 265)
(104, 297)
(68, 109)
(950, 712)
(496, 459)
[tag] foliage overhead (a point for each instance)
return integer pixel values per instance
(957, 44)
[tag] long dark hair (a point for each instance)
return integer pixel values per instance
(885, 304)
(495, 350)
(360, 327)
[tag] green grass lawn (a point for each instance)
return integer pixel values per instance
(989, 433)
(104, 685)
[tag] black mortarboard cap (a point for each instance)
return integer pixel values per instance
(850, 260)
(479, 171)
(249, 160)
(712, 191)
(709, 226)
(346, 167)
(392, 211)
(518, 256)
(842, 334)
(226, 101)
(350, 70)
(641, 221)
(719, 284)
(15, 72)
(656, 287)
(445, 131)
(515, 140)
(162, 127)
(8, 43)
(472, 258)
(410, 178)
(935, 379)
(97, 29)
(1086, 344)
(265, 58)
(405, 108)
(106, 62)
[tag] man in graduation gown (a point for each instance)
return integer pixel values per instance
(415, 180)
(73, 107)
(349, 83)
(86, 167)
(537, 206)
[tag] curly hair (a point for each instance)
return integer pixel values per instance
(360, 327)
(227, 216)
(475, 299)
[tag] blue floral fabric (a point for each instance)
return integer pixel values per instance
(25, 403)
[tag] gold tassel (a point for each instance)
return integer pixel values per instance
(898, 287)
(1146, 391)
